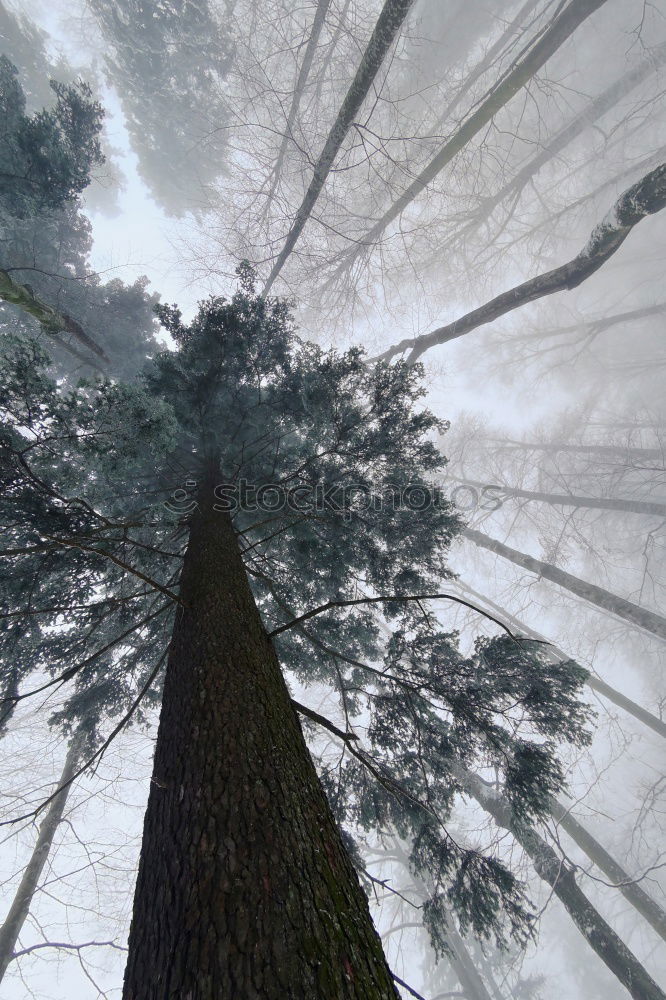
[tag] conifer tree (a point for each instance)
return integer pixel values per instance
(225, 526)
(45, 158)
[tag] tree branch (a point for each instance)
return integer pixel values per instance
(385, 600)
(388, 24)
(561, 28)
(69, 947)
(321, 720)
(51, 320)
(646, 197)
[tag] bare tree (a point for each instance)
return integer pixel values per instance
(389, 23)
(20, 907)
(538, 52)
(644, 198)
(561, 877)
(650, 621)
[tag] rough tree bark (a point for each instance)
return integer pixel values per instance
(560, 877)
(18, 911)
(627, 610)
(245, 889)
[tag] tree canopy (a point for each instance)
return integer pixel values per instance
(337, 454)
(435, 678)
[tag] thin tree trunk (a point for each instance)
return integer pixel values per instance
(597, 326)
(244, 887)
(606, 863)
(18, 911)
(494, 52)
(331, 50)
(388, 24)
(627, 506)
(460, 959)
(484, 65)
(603, 450)
(590, 114)
(560, 877)
(647, 718)
(463, 965)
(574, 208)
(627, 610)
(9, 690)
(303, 74)
(550, 41)
(644, 198)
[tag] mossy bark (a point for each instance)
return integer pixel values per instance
(245, 889)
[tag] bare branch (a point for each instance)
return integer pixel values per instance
(388, 24)
(386, 600)
(644, 198)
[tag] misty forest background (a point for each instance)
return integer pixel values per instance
(452, 183)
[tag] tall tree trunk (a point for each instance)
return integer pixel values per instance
(15, 919)
(596, 109)
(244, 887)
(602, 450)
(549, 41)
(494, 52)
(605, 862)
(52, 321)
(646, 197)
(335, 40)
(627, 610)
(595, 683)
(560, 877)
(386, 29)
(303, 74)
(647, 718)
(651, 508)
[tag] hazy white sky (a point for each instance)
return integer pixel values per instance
(140, 239)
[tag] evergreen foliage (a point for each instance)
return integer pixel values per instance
(98, 482)
(167, 61)
(45, 158)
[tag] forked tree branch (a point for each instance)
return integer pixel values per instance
(388, 24)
